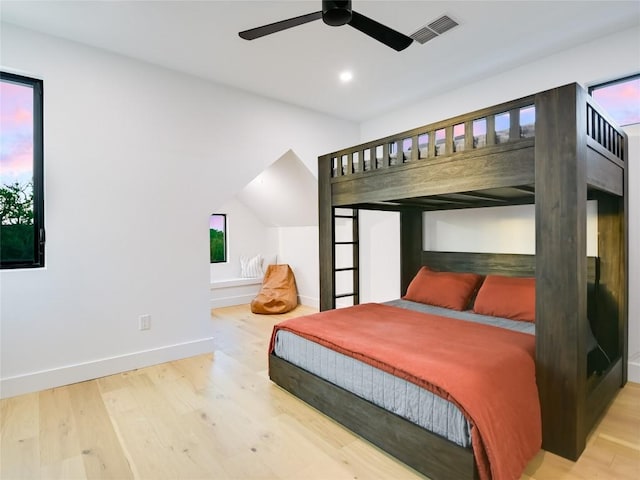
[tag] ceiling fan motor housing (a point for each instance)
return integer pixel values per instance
(336, 13)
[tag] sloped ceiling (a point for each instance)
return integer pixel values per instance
(283, 195)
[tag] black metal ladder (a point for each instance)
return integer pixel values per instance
(355, 250)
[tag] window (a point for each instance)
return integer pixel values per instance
(21, 172)
(218, 238)
(620, 99)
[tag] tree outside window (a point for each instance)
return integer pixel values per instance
(218, 238)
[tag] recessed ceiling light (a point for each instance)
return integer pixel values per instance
(346, 76)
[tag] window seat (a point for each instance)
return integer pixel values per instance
(235, 282)
(234, 291)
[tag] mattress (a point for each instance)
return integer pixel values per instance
(394, 394)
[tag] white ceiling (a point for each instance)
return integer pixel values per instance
(301, 65)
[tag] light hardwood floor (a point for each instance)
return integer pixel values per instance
(218, 416)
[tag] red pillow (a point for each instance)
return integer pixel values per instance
(507, 297)
(443, 289)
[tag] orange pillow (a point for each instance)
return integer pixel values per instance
(443, 289)
(507, 297)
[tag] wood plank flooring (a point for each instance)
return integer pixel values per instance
(218, 416)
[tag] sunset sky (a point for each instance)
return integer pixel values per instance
(621, 101)
(216, 222)
(16, 130)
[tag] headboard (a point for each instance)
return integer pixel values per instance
(513, 265)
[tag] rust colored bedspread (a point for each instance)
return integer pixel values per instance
(488, 372)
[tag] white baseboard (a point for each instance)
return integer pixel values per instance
(309, 301)
(234, 282)
(57, 377)
(246, 299)
(230, 301)
(225, 293)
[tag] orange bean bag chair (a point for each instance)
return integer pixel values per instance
(278, 293)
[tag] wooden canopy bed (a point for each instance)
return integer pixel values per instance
(571, 153)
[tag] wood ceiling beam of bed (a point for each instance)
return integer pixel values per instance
(477, 196)
(449, 202)
(382, 206)
(510, 264)
(527, 190)
(437, 203)
(442, 200)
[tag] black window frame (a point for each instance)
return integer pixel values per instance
(598, 86)
(226, 242)
(38, 172)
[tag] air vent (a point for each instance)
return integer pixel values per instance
(432, 30)
(442, 24)
(424, 35)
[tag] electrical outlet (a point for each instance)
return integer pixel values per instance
(144, 322)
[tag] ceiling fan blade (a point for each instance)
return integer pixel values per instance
(390, 37)
(278, 26)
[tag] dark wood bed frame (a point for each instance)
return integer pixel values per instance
(576, 154)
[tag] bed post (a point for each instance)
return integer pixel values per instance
(326, 234)
(411, 246)
(561, 268)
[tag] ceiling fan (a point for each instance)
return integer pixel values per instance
(336, 13)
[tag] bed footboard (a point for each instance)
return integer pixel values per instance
(429, 454)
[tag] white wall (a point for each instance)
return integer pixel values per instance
(299, 249)
(379, 255)
(617, 56)
(136, 158)
(509, 229)
(284, 195)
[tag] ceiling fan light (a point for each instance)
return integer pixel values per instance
(346, 76)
